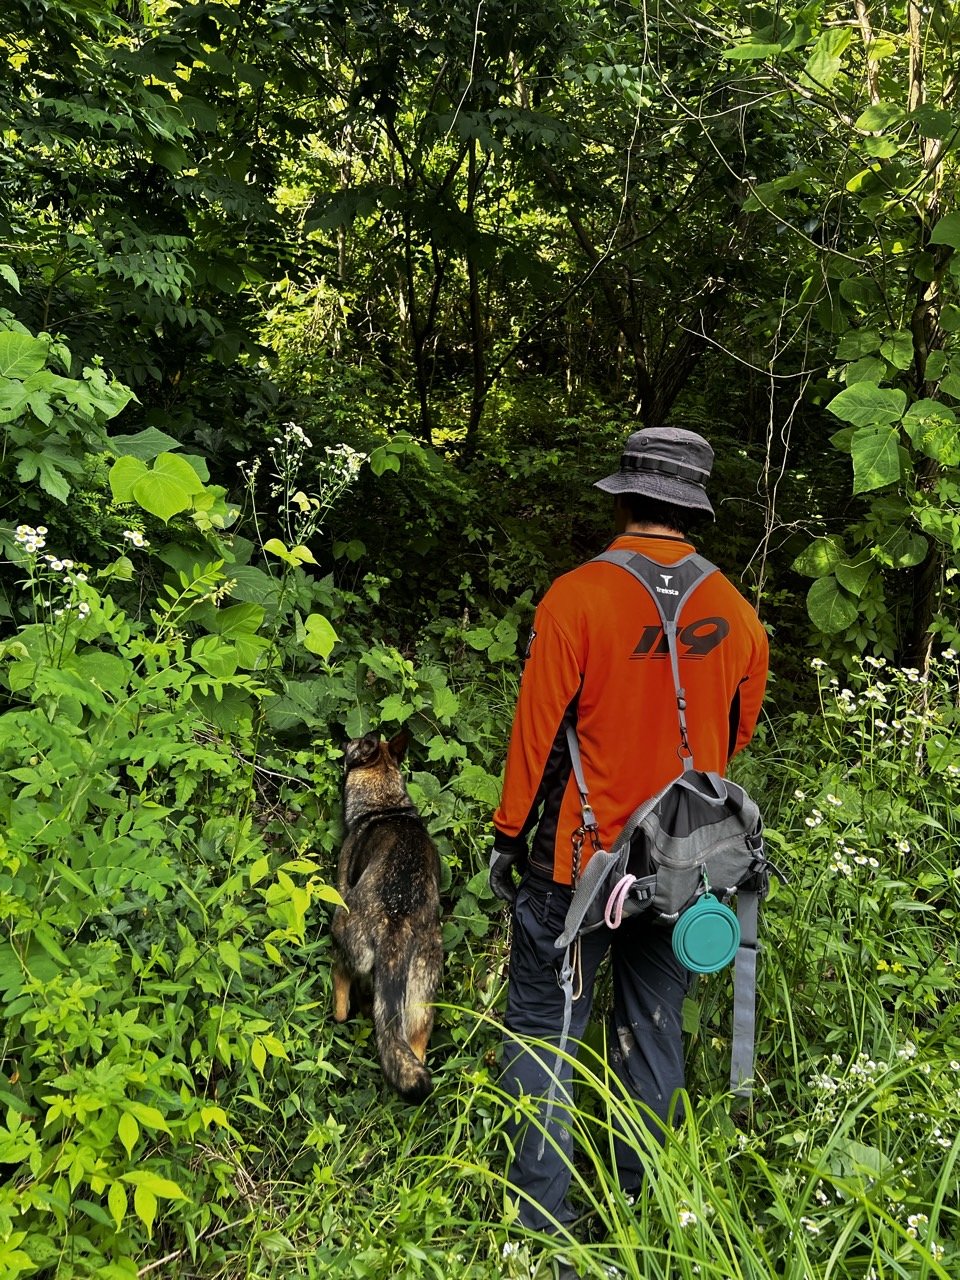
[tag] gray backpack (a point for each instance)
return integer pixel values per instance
(700, 834)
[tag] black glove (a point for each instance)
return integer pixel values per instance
(502, 884)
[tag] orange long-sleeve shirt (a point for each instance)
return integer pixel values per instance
(598, 658)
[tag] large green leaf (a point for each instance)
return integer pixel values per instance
(857, 343)
(161, 495)
(867, 405)
(947, 231)
(820, 558)
(869, 369)
(320, 636)
(21, 355)
(238, 620)
(876, 457)
(824, 63)
(145, 444)
(178, 471)
(903, 549)
(899, 350)
(124, 474)
(854, 577)
(831, 609)
(879, 116)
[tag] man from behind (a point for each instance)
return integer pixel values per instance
(598, 659)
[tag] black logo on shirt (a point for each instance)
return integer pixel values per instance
(695, 640)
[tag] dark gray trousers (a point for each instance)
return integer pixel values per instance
(644, 1040)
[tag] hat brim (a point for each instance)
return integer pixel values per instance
(671, 489)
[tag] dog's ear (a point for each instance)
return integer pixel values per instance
(398, 746)
(361, 750)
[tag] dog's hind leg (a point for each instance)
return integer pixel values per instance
(341, 993)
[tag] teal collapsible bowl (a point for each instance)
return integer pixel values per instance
(706, 936)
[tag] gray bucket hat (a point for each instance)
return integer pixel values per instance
(665, 463)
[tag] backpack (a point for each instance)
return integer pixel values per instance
(699, 836)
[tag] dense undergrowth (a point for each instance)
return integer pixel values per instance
(176, 1098)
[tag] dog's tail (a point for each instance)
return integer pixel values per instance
(403, 989)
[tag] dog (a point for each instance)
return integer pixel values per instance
(388, 935)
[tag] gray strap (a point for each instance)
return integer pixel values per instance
(573, 746)
(566, 985)
(744, 997)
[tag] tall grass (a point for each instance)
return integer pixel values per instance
(844, 1167)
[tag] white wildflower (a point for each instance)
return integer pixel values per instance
(810, 1225)
(903, 846)
(908, 1051)
(799, 795)
(135, 537)
(687, 1218)
(917, 1219)
(818, 664)
(834, 800)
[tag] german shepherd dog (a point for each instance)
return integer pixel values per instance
(389, 935)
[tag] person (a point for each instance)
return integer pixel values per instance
(597, 657)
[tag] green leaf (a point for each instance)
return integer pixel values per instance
(124, 474)
(935, 366)
(21, 355)
(145, 1206)
(899, 350)
(933, 122)
(830, 608)
(128, 1131)
(7, 273)
(258, 1054)
(228, 953)
(879, 116)
(147, 444)
(117, 1203)
(859, 342)
(903, 549)
(865, 404)
(854, 577)
(946, 232)
(320, 636)
(168, 487)
(150, 1117)
(479, 637)
(215, 657)
(238, 620)
(876, 457)
(820, 558)
(869, 369)
(824, 62)
(178, 471)
(276, 548)
(446, 704)
(393, 707)
(950, 384)
(751, 52)
(950, 315)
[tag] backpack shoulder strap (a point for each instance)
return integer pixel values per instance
(669, 586)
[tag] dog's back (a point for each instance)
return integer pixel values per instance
(388, 875)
